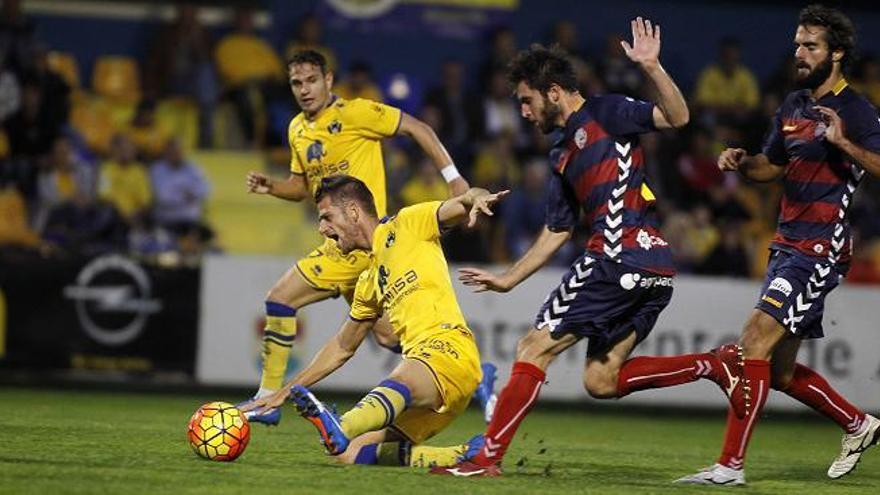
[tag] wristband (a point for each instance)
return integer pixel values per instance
(450, 173)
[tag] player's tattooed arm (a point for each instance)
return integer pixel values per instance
(470, 205)
(427, 139)
(836, 135)
(671, 109)
(757, 168)
(548, 242)
(336, 352)
(294, 188)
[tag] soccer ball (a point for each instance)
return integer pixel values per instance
(218, 431)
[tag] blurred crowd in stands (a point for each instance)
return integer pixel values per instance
(100, 167)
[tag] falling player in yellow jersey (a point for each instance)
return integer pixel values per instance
(408, 281)
(332, 136)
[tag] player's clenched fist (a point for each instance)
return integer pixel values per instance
(258, 183)
(731, 158)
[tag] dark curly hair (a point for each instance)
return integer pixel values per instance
(342, 188)
(542, 67)
(309, 57)
(840, 34)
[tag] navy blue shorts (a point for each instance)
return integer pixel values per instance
(794, 292)
(604, 301)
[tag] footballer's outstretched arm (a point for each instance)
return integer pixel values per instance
(294, 188)
(336, 352)
(671, 108)
(758, 167)
(548, 242)
(470, 205)
(427, 139)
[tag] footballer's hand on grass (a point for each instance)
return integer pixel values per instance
(258, 183)
(730, 159)
(482, 280)
(265, 404)
(483, 205)
(645, 48)
(458, 186)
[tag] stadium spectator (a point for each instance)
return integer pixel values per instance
(425, 185)
(14, 229)
(617, 72)
(123, 181)
(17, 39)
(358, 83)
(502, 49)
(83, 226)
(179, 64)
(65, 177)
(308, 37)
(496, 166)
(867, 78)
(179, 189)
(461, 118)
(35, 126)
(500, 115)
(144, 130)
(522, 213)
(727, 88)
(248, 66)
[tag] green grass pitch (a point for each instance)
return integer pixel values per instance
(104, 442)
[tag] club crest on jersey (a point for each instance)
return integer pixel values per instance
(647, 241)
(335, 127)
(580, 138)
(781, 285)
(389, 241)
(315, 151)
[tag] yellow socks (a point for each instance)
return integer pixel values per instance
(406, 454)
(277, 342)
(377, 409)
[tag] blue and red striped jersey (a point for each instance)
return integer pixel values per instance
(819, 179)
(598, 177)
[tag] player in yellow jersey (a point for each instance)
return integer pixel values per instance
(408, 281)
(331, 136)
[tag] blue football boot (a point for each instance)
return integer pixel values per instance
(269, 417)
(485, 392)
(325, 420)
(473, 447)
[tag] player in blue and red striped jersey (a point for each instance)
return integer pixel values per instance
(613, 294)
(823, 139)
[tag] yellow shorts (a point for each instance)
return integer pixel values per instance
(454, 360)
(326, 268)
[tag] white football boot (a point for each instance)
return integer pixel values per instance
(852, 446)
(715, 475)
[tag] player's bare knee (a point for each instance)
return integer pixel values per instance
(781, 379)
(600, 385)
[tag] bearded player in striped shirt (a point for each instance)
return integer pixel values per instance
(822, 140)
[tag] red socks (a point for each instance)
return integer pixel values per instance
(514, 403)
(810, 388)
(739, 431)
(641, 373)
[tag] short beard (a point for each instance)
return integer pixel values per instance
(551, 112)
(817, 76)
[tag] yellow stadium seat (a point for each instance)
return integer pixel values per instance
(93, 118)
(180, 116)
(117, 78)
(64, 64)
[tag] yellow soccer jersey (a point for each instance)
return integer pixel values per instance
(408, 278)
(344, 139)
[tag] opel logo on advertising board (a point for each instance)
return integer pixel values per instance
(112, 300)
